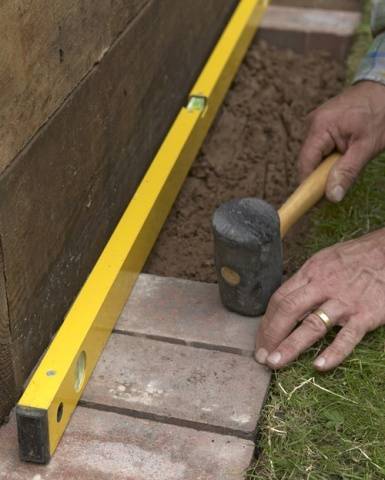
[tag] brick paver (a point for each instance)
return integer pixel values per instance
(186, 311)
(311, 20)
(305, 30)
(185, 383)
(107, 446)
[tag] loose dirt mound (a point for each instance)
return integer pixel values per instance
(251, 151)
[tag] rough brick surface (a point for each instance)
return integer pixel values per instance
(305, 29)
(311, 20)
(350, 5)
(186, 383)
(103, 446)
(186, 311)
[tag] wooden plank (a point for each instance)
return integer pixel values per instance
(8, 391)
(7, 380)
(63, 195)
(47, 46)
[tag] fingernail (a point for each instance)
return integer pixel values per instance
(261, 355)
(274, 358)
(337, 194)
(320, 362)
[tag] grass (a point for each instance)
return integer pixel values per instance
(332, 426)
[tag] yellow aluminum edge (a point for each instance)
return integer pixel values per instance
(49, 400)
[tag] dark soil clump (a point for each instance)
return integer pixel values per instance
(251, 151)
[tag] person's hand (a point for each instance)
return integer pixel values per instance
(352, 123)
(347, 282)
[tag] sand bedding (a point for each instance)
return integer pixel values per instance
(251, 150)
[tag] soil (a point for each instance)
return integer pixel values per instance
(251, 150)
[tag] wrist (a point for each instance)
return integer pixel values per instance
(372, 66)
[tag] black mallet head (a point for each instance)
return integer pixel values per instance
(248, 254)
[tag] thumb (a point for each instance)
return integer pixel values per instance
(345, 171)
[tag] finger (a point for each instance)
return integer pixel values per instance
(345, 171)
(297, 281)
(317, 145)
(283, 313)
(306, 334)
(342, 346)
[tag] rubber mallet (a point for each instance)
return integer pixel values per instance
(248, 247)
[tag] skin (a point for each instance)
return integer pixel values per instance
(346, 281)
(352, 123)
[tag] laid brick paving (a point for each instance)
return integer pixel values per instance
(186, 311)
(185, 383)
(106, 446)
(176, 395)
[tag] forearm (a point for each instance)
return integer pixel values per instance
(373, 64)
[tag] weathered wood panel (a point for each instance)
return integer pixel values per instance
(64, 194)
(7, 381)
(47, 46)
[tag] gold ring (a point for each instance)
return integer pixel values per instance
(324, 318)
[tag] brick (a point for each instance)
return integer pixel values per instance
(329, 30)
(102, 446)
(294, 40)
(340, 46)
(189, 385)
(311, 20)
(351, 5)
(186, 311)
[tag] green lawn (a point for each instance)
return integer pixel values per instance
(332, 426)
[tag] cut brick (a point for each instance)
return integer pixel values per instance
(350, 5)
(103, 446)
(188, 312)
(190, 386)
(304, 30)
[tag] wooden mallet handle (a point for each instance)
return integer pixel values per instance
(306, 195)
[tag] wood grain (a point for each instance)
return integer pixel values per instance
(7, 381)
(47, 46)
(306, 195)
